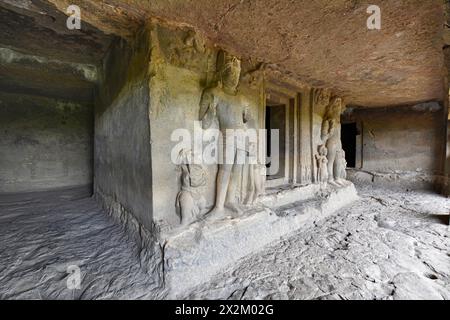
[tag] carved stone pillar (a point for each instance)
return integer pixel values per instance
(305, 170)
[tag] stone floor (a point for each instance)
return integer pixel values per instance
(40, 237)
(388, 245)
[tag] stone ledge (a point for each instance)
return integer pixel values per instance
(207, 247)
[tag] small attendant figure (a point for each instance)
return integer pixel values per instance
(322, 161)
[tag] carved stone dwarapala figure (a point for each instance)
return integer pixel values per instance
(223, 106)
(253, 175)
(340, 164)
(322, 170)
(190, 200)
(331, 135)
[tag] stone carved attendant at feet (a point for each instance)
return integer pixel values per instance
(322, 170)
(221, 105)
(340, 164)
(253, 175)
(331, 135)
(190, 201)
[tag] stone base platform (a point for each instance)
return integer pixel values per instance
(206, 247)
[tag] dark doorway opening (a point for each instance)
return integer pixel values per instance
(276, 119)
(348, 138)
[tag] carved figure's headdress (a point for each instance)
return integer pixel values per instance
(227, 63)
(323, 150)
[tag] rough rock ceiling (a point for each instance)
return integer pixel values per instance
(323, 43)
(40, 56)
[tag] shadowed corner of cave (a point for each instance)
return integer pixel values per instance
(350, 183)
(49, 75)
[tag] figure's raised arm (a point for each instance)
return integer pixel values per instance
(325, 131)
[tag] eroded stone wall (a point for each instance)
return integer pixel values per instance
(44, 144)
(123, 164)
(446, 185)
(155, 87)
(184, 65)
(401, 145)
(123, 171)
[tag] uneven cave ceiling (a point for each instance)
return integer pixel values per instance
(40, 56)
(319, 42)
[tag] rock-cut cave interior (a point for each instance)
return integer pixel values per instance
(223, 149)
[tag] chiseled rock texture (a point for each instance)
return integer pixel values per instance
(323, 43)
(388, 245)
(41, 236)
(208, 247)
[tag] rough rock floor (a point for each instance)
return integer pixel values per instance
(40, 237)
(388, 245)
